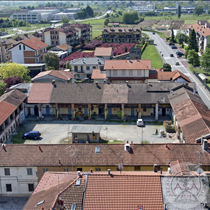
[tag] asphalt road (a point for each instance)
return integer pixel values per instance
(165, 50)
(56, 25)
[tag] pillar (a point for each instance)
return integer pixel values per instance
(105, 111)
(156, 111)
(13, 115)
(40, 111)
(72, 111)
(18, 110)
(89, 111)
(56, 110)
(8, 120)
(123, 112)
(3, 126)
(139, 111)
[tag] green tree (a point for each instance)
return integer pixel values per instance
(172, 36)
(89, 11)
(181, 38)
(209, 11)
(14, 70)
(125, 49)
(2, 87)
(166, 67)
(65, 20)
(106, 22)
(130, 17)
(198, 10)
(205, 59)
(107, 16)
(192, 42)
(179, 12)
(52, 60)
(193, 58)
(81, 14)
(67, 65)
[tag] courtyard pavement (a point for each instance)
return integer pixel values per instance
(12, 203)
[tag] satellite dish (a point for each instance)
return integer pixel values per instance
(200, 171)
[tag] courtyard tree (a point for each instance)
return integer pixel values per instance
(10, 81)
(198, 10)
(181, 38)
(205, 59)
(192, 42)
(166, 67)
(193, 58)
(172, 36)
(52, 60)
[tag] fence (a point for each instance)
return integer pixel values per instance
(205, 85)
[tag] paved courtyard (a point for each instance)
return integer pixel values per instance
(12, 203)
(55, 132)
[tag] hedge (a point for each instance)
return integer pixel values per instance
(144, 47)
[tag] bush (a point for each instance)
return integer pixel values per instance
(169, 127)
(85, 117)
(144, 47)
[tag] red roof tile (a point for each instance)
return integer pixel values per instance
(103, 51)
(40, 93)
(96, 74)
(6, 110)
(173, 75)
(35, 43)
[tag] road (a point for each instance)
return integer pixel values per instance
(166, 50)
(56, 25)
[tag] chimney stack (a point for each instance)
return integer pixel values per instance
(53, 83)
(79, 174)
(109, 172)
(4, 147)
(155, 168)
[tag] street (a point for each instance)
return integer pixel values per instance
(166, 51)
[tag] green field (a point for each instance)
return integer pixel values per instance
(189, 18)
(150, 53)
(96, 33)
(94, 22)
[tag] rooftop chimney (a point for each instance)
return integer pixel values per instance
(155, 168)
(96, 83)
(109, 172)
(4, 147)
(53, 83)
(79, 174)
(205, 145)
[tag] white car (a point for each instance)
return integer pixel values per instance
(140, 123)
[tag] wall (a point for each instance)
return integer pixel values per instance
(19, 180)
(147, 113)
(144, 73)
(85, 137)
(62, 38)
(47, 38)
(17, 55)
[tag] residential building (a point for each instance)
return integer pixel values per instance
(5, 54)
(103, 100)
(173, 76)
(191, 116)
(104, 52)
(56, 75)
(67, 34)
(134, 53)
(131, 71)
(86, 134)
(99, 76)
(27, 16)
(122, 34)
(90, 157)
(62, 50)
(11, 113)
(29, 52)
(83, 67)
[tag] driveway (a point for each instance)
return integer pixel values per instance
(55, 132)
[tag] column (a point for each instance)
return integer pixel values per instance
(139, 111)
(123, 112)
(105, 111)
(56, 110)
(156, 111)
(40, 111)
(89, 111)
(8, 120)
(3, 126)
(72, 112)
(13, 115)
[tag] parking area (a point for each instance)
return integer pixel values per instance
(55, 132)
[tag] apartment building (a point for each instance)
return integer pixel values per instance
(130, 71)
(126, 34)
(5, 54)
(29, 51)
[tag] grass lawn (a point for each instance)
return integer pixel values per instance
(96, 33)
(94, 22)
(150, 53)
(17, 139)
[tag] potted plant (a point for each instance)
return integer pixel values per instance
(77, 117)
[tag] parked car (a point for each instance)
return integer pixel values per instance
(179, 53)
(171, 43)
(32, 135)
(153, 33)
(173, 47)
(177, 63)
(171, 55)
(140, 123)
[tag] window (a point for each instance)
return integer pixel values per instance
(56, 42)
(24, 47)
(29, 171)
(19, 47)
(30, 187)
(87, 67)
(130, 72)
(7, 171)
(79, 169)
(139, 72)
(137, 168)
(98, 169)
(44, 170)
(115, 73)
(76, 68)
(144, 109)
(123, 72)
(66, 169)
(94, 67)
(52, 42)
(8, 187)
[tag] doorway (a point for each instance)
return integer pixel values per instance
(163, 111)
(36, 110)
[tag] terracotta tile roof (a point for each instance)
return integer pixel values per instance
(64, 47)
(35, 43)
(191, 113)
(6, 110)
(103, 51)
(126, 64)
(173, 75)
(123, 192)
(14, 97)
(40, 93)
(49, 154)
(96, 74)
(200, 29)
(65, 75)
(48, 189)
